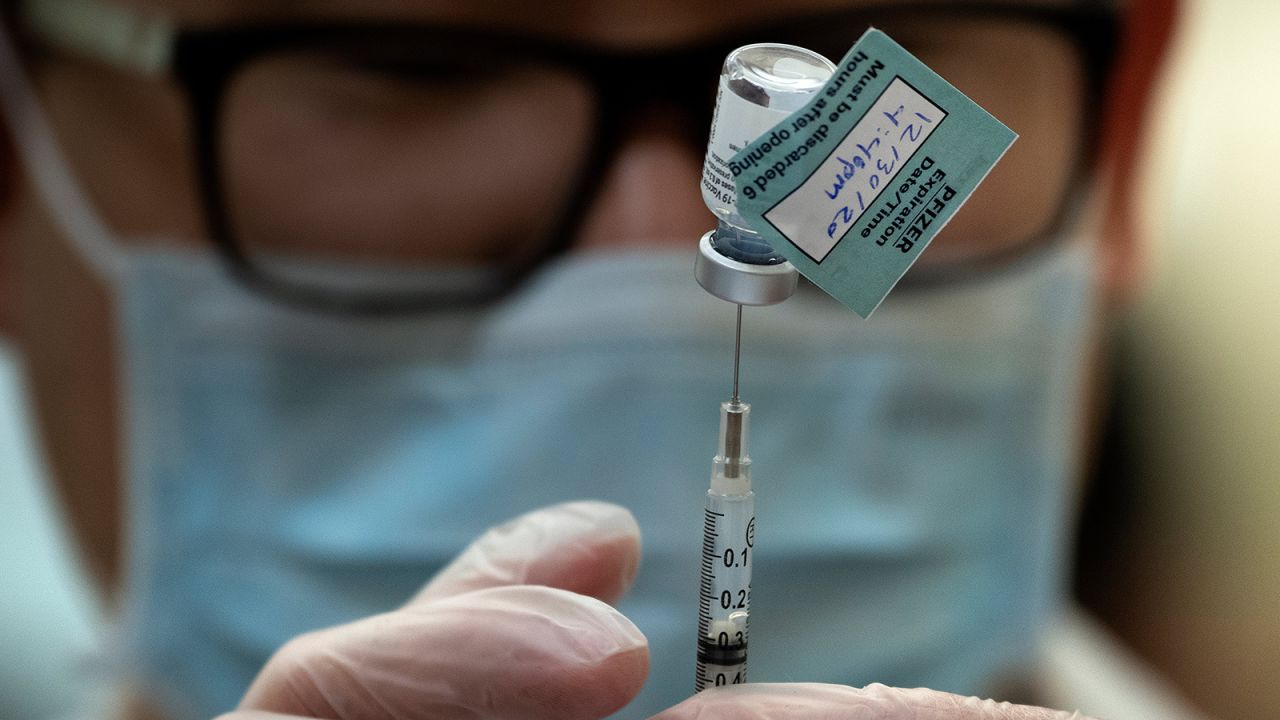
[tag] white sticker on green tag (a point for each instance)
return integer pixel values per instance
(852, 187)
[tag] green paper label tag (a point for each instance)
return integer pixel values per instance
(852, 187)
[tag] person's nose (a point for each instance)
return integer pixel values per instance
(650, 194)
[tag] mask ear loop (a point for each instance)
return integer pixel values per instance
(63, 196)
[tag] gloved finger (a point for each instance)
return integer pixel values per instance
(591, 548)
(815, 701)
(508, 652)
(257, 715)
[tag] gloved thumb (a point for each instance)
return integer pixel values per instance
(815, 701)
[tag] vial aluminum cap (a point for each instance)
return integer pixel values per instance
(739, 282)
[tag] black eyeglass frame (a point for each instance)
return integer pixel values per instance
(206, 60)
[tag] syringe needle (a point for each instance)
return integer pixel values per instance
(737, 354)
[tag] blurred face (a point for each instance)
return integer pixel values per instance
(331, 148)
(350, 155)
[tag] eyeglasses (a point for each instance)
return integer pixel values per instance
(345, 165)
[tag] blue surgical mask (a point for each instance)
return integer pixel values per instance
(289, 471)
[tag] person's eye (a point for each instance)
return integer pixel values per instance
(402, 162)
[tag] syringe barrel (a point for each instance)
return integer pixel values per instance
(728, 548)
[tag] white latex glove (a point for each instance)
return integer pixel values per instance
(517, 627)
(815, 701)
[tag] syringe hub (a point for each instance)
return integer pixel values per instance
(731, 469)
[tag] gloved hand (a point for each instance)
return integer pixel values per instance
(518, 627)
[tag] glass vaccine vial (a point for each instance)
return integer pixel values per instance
(760, 85)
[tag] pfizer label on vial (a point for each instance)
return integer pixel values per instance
(852, 187)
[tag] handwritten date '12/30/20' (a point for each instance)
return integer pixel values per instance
(863, 164)
(875, 162)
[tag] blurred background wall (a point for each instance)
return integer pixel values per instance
(1191, 568)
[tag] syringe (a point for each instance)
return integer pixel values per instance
(729, 527)
(760, 85)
